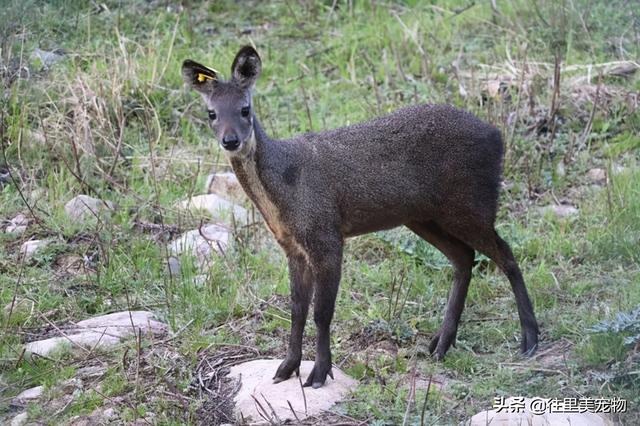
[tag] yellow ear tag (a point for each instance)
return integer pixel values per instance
(203, 77)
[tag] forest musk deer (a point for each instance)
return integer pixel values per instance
(433, 168)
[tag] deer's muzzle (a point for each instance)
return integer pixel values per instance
(230, 143)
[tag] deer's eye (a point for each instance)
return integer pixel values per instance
(245, 111)
(212, 115)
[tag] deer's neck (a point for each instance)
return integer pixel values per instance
(260, 174)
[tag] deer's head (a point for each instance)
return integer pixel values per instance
(229, 103)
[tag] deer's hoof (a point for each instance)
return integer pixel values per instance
(286, 369)
(440, 344)
(319, 374)
(529, 343)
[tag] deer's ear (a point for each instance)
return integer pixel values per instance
(198, 76)
(246, 67)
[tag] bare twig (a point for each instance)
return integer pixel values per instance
(304, 396)
(374, 83)
(306, 105)
(293, 411)
(412, 393)
(13, 179)
(555, 99)
(424, 404)
(587, 129)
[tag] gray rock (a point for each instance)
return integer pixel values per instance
(28, 395)
(220, 209)
(562, 210)
(202, 244)
(83, 339)
(22, 307)
(48, 58)
(109, 413)
(92, 420)
(83, 207)
(200, 279)
(256, 378)
(17, 225)
(597, 175)
(560, 169)
(16, 229)
(37, 194)
(91, 372)
(227, 186)
(30, 248)
(33, 136)
(527, 417)
(70, 385)
(20, 419)
(173, 264)
(618, 169)
(104, 331)
(122, 322)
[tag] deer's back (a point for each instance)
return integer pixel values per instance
(416, 163)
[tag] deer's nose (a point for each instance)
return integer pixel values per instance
(230, 142)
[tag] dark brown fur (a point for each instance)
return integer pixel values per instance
(433, 168)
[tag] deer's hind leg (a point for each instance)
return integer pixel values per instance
(486, 240)
(461, 257)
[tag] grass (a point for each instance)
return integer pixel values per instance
(111, 119)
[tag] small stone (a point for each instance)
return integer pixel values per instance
(37, 195)
(618, 169)
(227, 186)
(493, 87)
(48, 58)
(91, 372)
(22, 307)
(562, 210)
(59, 403)
(83, 207)
(202, 243)
(30, 248)
(220, 209)
(85, 340)
(33, 136)
(71, 385)
(109, 413)
(175, 8)
(17, 225)
(20, 419)
(16, 229)
(105, 330)
(83, 421)
(257, 382)
(173, 264)
(597, 175)
(200, 279)
(123, 323)
(72, 264)
(29, 395)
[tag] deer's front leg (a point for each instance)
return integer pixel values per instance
(301, 290)
(326, 264)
